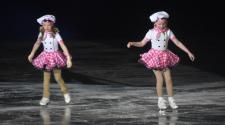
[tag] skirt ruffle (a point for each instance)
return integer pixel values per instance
(158, 59)
(50, 60)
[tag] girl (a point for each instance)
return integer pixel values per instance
(50, 59)
(159, 58)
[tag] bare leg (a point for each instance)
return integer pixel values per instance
(159, 89)
(159, 82)
(60, 81)
(46, 82)
(169, 82)
(169, 86)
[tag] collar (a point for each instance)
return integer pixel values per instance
(160, 30)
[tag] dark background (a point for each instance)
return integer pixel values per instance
(199, 25)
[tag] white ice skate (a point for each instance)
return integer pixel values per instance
(162, 112)
(44, 101)
(162, 103)
(67, 98)
(172, 103)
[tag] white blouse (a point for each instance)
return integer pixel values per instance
(161, 42)
(49, 42)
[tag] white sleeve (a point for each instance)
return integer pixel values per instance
(171, 34)
(58, 37)
(149, 34)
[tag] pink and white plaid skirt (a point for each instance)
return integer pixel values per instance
(50, 60)
(159, 59)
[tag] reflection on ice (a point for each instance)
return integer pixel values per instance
(109, 104)
(46, 117)
(167, 118)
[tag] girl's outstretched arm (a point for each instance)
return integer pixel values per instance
(66, 52)
(141, 43)
(34, 49)
(182, 47)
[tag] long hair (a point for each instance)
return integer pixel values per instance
(42, 30)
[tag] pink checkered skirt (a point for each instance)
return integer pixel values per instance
(159, 59)
(50, 60)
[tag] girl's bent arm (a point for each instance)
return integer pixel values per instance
(183, 47)
(65, 50)
(142, 43)
(35, 47)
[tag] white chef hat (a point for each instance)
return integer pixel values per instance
(158, 15)
(46, 17)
